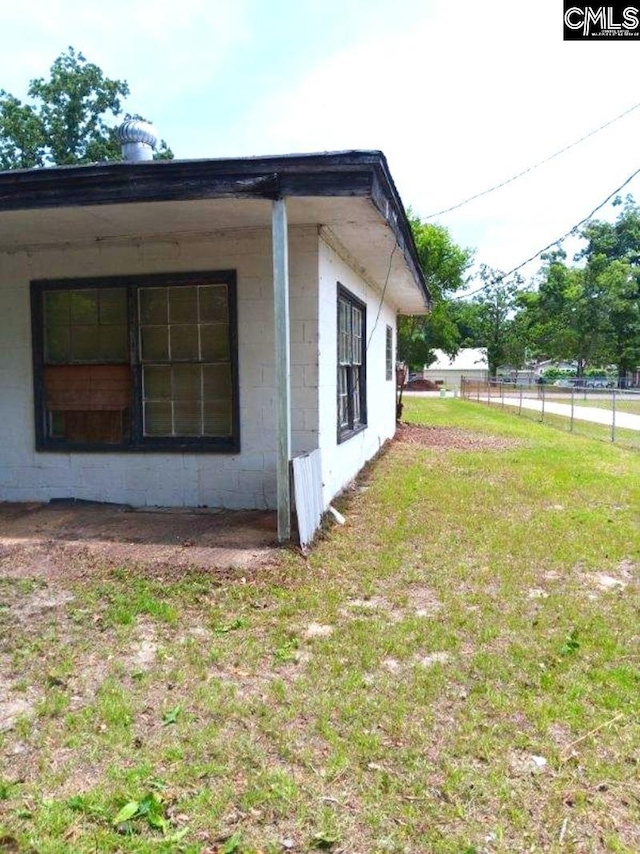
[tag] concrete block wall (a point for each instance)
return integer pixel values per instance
(342, 461)
(243, 480)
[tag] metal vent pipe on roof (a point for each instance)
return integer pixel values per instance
(138, 140)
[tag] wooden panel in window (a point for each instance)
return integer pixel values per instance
(87, 388)
(94, 428)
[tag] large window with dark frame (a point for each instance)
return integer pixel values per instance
(136, 363)
(352, 403)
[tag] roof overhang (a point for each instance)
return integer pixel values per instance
(349, 195)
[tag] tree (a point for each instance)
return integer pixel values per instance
(490, 316)
(66, 120)
(444, 264)
(562, 319)
(612, 271)
(590, 313)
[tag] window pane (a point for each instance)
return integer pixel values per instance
(84, 307)
(343, 332)
(355, 396)
(214, 340)
(157, 382)
(184, 343)
(187, 382)
(114, 343)
(343, 408)
(56, 308)
(57, 348)
(217, 418)
(155, 343)
(157, 419)
(183, 305)
(217, 382)
(85, 344)
(188, 418)
(356, 348)
(113, 306)
(213, 304)
(153, 305)
(57, 425)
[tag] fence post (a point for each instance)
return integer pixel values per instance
(520, 406)
(573, 391)
(542, 409)
(613, 416)
(502, 394)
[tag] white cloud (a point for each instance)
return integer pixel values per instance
(468, 95)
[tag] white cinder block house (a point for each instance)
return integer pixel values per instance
(174, 332)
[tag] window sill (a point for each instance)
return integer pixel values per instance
(345, 435)
(177, 447)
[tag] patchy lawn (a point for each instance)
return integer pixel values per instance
(455, 670)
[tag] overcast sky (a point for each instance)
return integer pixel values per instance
(459, 95)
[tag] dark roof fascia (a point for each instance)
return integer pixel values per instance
(344, 173)
(341, 173)
(386, 198)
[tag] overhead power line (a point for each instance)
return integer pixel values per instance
(572, 231)
(534, 166)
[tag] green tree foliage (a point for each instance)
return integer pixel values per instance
(612, 272)
(444, 265)
(590, 313)
(66, 120)
(491, 320)
(560, 319)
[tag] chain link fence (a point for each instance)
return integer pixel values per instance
(610, 414)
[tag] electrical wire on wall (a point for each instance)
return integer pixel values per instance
(384, 290)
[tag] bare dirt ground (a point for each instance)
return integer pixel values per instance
(67, 539)
(60, 540)
(449, 438)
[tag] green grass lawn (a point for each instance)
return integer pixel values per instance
(454, 670)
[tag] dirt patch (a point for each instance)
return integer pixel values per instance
(445, 438)
(422, 385)
(423, 600)
(40, 603)
(318, 630)
(14, 704)
(373, 606)
(600, 583)
(61, 541)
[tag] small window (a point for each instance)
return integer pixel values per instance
(351, 380)
(389, 354)
(137, 363)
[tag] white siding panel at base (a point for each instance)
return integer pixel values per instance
(307, 479)
(342, 461)
(243, 480)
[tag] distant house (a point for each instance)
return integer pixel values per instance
(558, 364)
(470, 362)
(175, 332)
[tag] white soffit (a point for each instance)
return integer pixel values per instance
(356, 223)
